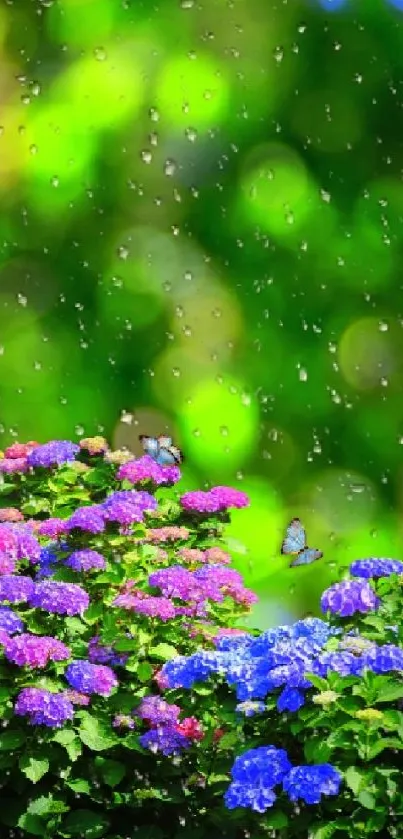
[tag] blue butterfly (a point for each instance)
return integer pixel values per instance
(161, 450)
(295, 543)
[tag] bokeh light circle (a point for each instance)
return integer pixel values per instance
(192, 93)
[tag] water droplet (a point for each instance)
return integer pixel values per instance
(154, 114)
(169, 168)
(126, 417)
(100, 53)
(383, 326)
(22, 300)
(176, 372)
(79, 430)
(302, 375)
(123, 252)
(55, 181)
(146, 156)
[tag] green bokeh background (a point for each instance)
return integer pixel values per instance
(201, 229)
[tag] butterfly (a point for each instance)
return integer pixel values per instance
(295, 543)
(161, 450)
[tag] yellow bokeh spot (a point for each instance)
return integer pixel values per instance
(277, 192)
(218, 424)
(192, 93)
(102, 94)
(57, 146)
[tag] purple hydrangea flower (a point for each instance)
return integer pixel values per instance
(91, 678)
(54, 453)
(128, 506)
(87, 518)
(52, 528)
(59, 598)
(10, 621)
(35, 651)
(27, 546)
(86, 560)
(309, 783)
(43, 707)
(146, 469)
(157, 712)
(165, 739)
(375, 566)
(348, 597)
(100, 654)
(15, 589)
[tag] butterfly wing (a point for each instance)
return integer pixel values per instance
(306, 556)
(165, 458)
(295, 538)
(150, 445)
(164, 442)
(176, 453)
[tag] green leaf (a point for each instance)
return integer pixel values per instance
(86, 824)
(95, 734)
(316, 750)
(10, 740)
(80, 785)
(32, 824)
(389, 692)
(70, 741)
(163, 652)
(381, 744)
(227, 741)
(317, 681)
(149, 831)
(144, 671)
(275, 820)
(354, 779)
(322, 831)
(44, 805)
(112, 771)
(33, 768)
(367, 800)
(35, 505)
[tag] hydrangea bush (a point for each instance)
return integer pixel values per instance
(132, 702)
(106, 572)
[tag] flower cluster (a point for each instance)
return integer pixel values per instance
(146, 469)
(214, 501)
(374, 567)
(348, 597)
(91, 678)
(59, 598)
(55, 453)
(35, 650)
(166, 733)
(43, 707)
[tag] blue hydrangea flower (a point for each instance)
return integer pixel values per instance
(309, 783)
(383, 659)
(290, 699)
(375, 566)
(348, 597)
(91, 678)
(255, 774)
(250, 708)
(54, 453)
(164, 739)
(9, 621)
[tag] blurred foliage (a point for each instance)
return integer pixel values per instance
(201, 231)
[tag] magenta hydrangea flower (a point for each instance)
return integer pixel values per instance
(54, 453)
(229, 497)
(153, 607)
(10, 465)
(146, 469)
(91, 678)
(52, 528)
(7, 564)
(86, 560)
(59, 598)
(15, 589)
(87, 518)
(18, 450)
(43, 707)
(28, 650)
(26, 545)
(199, 502)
